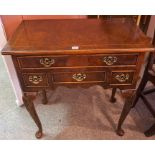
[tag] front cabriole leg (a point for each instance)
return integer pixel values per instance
(129, 96)
(31, 109)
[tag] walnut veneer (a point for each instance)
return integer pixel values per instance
(80, 52)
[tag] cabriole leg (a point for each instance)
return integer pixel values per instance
(129, 96)
(31, 109)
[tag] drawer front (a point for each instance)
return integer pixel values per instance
(77, 60)
(35, 79)
(78, 77)
(122, 77)
(113, 59)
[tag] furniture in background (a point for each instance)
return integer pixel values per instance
(114, 16)
(149, 75)
(135, 18)
(144, 22)
(81, 52)
(141, 20)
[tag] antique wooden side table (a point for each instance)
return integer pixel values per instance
(80, 52)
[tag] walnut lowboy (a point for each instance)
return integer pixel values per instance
(44, 57)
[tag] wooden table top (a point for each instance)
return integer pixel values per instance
(46, 35)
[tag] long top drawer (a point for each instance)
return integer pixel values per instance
(76, 60)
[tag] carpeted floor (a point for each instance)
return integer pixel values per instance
(71, 114)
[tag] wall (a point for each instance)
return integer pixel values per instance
(2, 36)
(10, 68)
(10, 23)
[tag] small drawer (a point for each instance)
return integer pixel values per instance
(79, 77)
(122, 77)
(35, 79)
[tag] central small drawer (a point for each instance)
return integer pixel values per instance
(76, 60)
(93, 76)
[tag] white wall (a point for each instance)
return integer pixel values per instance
(10, 68)
(2, 36)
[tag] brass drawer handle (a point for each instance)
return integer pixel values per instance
(79, 76)
(35, 79)
(122, 77)
(110, 60)
(47, 62)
